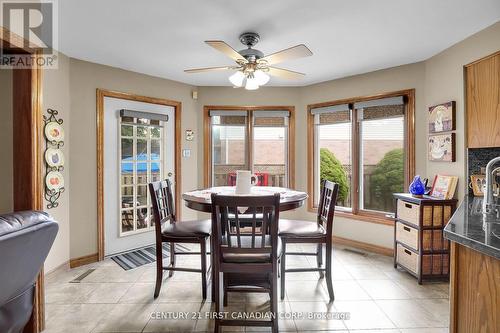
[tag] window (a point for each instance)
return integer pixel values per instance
(141, 162)
(255, 139)
(366, 146)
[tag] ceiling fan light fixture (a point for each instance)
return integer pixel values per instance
(237, 79)
(261, 77)
(252, 84)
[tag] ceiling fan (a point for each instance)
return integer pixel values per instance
(253, 68)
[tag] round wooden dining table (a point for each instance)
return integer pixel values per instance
(200, 200)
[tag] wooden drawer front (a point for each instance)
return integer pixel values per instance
(436, 217)
(407, 258)
(407, 235)
(409, 212)
(435, 264)
(433, 240)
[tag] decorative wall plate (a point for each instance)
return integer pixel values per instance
(54, 181)
(54, 157)
(54, 131)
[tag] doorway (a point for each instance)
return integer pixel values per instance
(140, 141)
(137, 142)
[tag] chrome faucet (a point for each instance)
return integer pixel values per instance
(490, 203)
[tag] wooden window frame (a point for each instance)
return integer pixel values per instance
(356, 213)
(207, 137)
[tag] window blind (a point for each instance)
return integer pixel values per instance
(333, 114)
(381, 108)
(380, 102)
(265, 118)
(143, 115)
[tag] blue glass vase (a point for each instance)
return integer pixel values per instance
(417, 187)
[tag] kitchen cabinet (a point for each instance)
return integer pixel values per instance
(482, 80)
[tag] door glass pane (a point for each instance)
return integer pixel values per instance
(270, 156)
(142, 149)
(142, 173)
(334, 156)
(155, 149)
(127, 174)
(155, 132)
(382, 162)
(142, 218)
(229, 149)
(127, 220)
(127, 196)
(127, 130)
(142, 195)
(127, 148)
(142, 131)
(155, 171)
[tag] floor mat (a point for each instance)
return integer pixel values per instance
(143, 256)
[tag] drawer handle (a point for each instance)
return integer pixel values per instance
(408, 252)
(407, 229)
(408, 206)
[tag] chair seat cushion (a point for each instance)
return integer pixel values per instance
(249, 258)
(198, 228)
(300, 229)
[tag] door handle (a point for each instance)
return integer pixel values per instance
(170, 174)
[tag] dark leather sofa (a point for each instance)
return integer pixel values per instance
(25, 240)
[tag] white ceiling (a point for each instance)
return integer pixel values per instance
(347, 37)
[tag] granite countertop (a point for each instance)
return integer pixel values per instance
(466, 227)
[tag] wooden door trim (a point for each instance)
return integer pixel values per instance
(207, 138)
(100, 94)
(28, 108)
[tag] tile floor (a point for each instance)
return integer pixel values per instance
(377, 297)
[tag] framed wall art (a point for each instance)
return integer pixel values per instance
(442, 117)
(442, 147)
(54, 158)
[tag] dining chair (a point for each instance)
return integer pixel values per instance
(319, 232)
(169, 230)
(245, 257)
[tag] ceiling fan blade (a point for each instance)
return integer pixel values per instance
(285, 73)
(298, 51)
(208, 69)
(223, 47)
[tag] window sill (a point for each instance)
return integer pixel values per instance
(365, 217)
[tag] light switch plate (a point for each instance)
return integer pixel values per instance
(186, 153)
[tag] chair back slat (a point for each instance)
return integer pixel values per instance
(232, 236)
(254, 224)
(163, 206)
(238, 226)
(264, 227)
(327, 201)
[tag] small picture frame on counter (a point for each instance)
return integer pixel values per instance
(444, 187)
(477, 184)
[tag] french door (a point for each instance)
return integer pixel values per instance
(139, 140)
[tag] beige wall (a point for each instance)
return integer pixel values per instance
(56, 95)
(6, 168)
(85, 78)
(444, 82)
